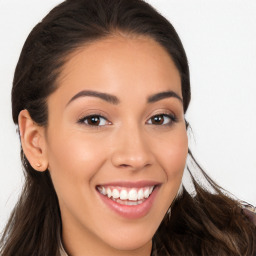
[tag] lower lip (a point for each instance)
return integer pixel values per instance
(131, 211)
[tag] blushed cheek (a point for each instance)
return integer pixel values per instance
(72, 161)
(175, 156)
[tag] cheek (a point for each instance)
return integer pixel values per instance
(72, 160)
(178, 154)
(172, 154)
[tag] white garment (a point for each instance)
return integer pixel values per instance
(62, 251)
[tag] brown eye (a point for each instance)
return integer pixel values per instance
(162, 119)
(158, 120)
(94, 120)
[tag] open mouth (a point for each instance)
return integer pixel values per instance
(126, 196)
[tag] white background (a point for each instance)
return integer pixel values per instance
(219, 37)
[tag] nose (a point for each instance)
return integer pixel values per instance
(131, 150)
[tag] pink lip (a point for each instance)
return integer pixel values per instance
(131, 211)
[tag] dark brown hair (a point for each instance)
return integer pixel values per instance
(202, 223)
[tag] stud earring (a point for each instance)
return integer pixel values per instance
(38, 165)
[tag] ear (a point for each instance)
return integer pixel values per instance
(33, 141)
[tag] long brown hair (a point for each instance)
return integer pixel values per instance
(202, 223)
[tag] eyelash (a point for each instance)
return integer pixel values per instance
(173, 119)
(86, 118)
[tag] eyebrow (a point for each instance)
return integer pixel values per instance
(163, 95)
(104, 96)
(114, 100)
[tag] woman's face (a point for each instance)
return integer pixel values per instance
(116, 131)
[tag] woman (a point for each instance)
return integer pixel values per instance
(103, 173)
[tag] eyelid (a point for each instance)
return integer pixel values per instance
(173, 119)
(172, 116)
(82, 120)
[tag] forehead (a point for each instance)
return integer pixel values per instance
(117, 64)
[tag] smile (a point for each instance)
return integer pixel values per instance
(126, 196)
(129, 200)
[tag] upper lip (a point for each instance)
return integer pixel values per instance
(131, 184)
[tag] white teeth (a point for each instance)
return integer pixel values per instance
(99, 189)
(115, 193)
(133, 195)
(109, 192)
(140, 194)
(126, 202)
(103, 191)
(146, 193)
(123, 194)
(132, 202)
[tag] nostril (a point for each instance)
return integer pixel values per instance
(133, 159)
(124, 165)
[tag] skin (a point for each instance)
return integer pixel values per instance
(127, 146)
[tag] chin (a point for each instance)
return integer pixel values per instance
(131, 238)
(131, 243)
